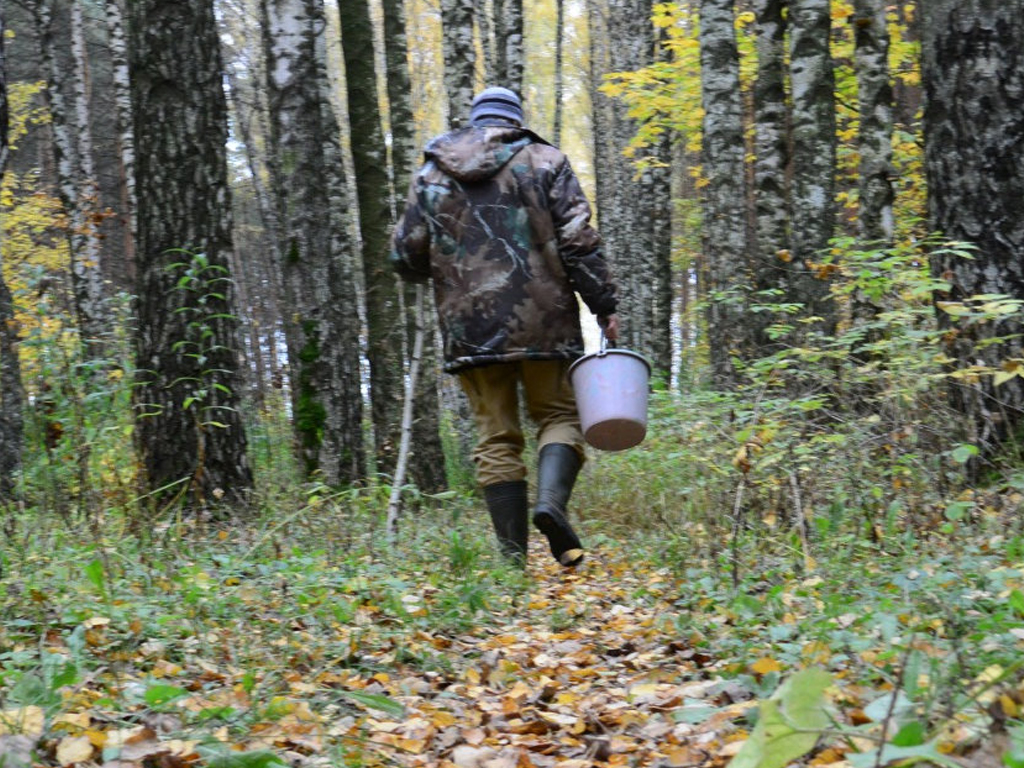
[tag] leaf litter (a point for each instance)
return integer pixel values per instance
(312, 666)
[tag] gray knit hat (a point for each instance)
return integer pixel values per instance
(496, 102)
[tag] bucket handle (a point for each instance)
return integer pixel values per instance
(605, 344)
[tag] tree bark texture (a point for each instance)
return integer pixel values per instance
(384, 317)
(724, 224)
(459, 58)
(189, 432)
(623, 200)
(771, 158)
(426, 462)
(814, 153)
(556, 130)
(974, 155)
(321, 324)
(125, 140)
(658, 341)
(875, 107)
(508, 32)
(76, 177)
(11, 399)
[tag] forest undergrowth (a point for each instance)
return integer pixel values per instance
(821, 567)
(303, 638)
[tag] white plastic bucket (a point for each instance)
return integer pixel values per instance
(611, 396)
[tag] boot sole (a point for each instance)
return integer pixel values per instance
(567, 544)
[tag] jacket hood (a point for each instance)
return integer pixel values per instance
(478, 152)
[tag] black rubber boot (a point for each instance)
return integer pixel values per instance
(509, 510)
(557, 467)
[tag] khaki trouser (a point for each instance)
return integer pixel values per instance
(493, 395)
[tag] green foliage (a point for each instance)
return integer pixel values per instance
(789, 722)
(202, 287)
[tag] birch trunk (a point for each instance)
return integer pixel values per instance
(125, 140)
(723, 204)
(771, 136)
(658, 338)
(76, 178)
(974, 151)
(556, 131)
(875, 106)
(459, 58)
(370, 163)
(485, 29)
(321, 327)
(11, 400)
(426, 464)
(814, 154)
(508, 32)
(597, 20)
(189, 432)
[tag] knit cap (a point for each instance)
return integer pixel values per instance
(496, 102)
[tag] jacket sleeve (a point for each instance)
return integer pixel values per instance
(410, 243)
(579, 244)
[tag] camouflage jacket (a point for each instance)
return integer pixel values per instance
(496, 217)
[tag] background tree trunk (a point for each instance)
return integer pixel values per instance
(814, 153)
(76, 183)
(459, 59)
(771, 152)
(974, 151)
(11, 425)
(875, 107)
(384, 318)
(724, 225)
(658, 187)
(426, 464)
(125, 141)
(556, 130)
(320, 332)
(508, 33)
(188, 425)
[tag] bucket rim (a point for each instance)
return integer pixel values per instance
(605, 353)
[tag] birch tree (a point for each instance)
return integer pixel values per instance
(875, 107)
(973, 67)
(556, 131)
(508, 33)
(814, 153)
(426, 465)
(384, 319)
(321, 326)
(771, 150)
(459, 58)
(189, 432)
(118, 45)
(11, 425)
(76, 175)
(657, 183)
(724, 222)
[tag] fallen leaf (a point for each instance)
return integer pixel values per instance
(28, 721)
(74, 749)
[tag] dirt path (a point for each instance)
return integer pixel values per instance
(590, 670)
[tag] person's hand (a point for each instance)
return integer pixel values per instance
(610, 325)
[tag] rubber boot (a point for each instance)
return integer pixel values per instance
(509, 510)
(557, 467)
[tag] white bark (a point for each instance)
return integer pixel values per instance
(405, 443)
(76, 180)
(122, 104)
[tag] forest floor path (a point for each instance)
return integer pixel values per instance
(588, 667)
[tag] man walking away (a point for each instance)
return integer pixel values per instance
(498, 220)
